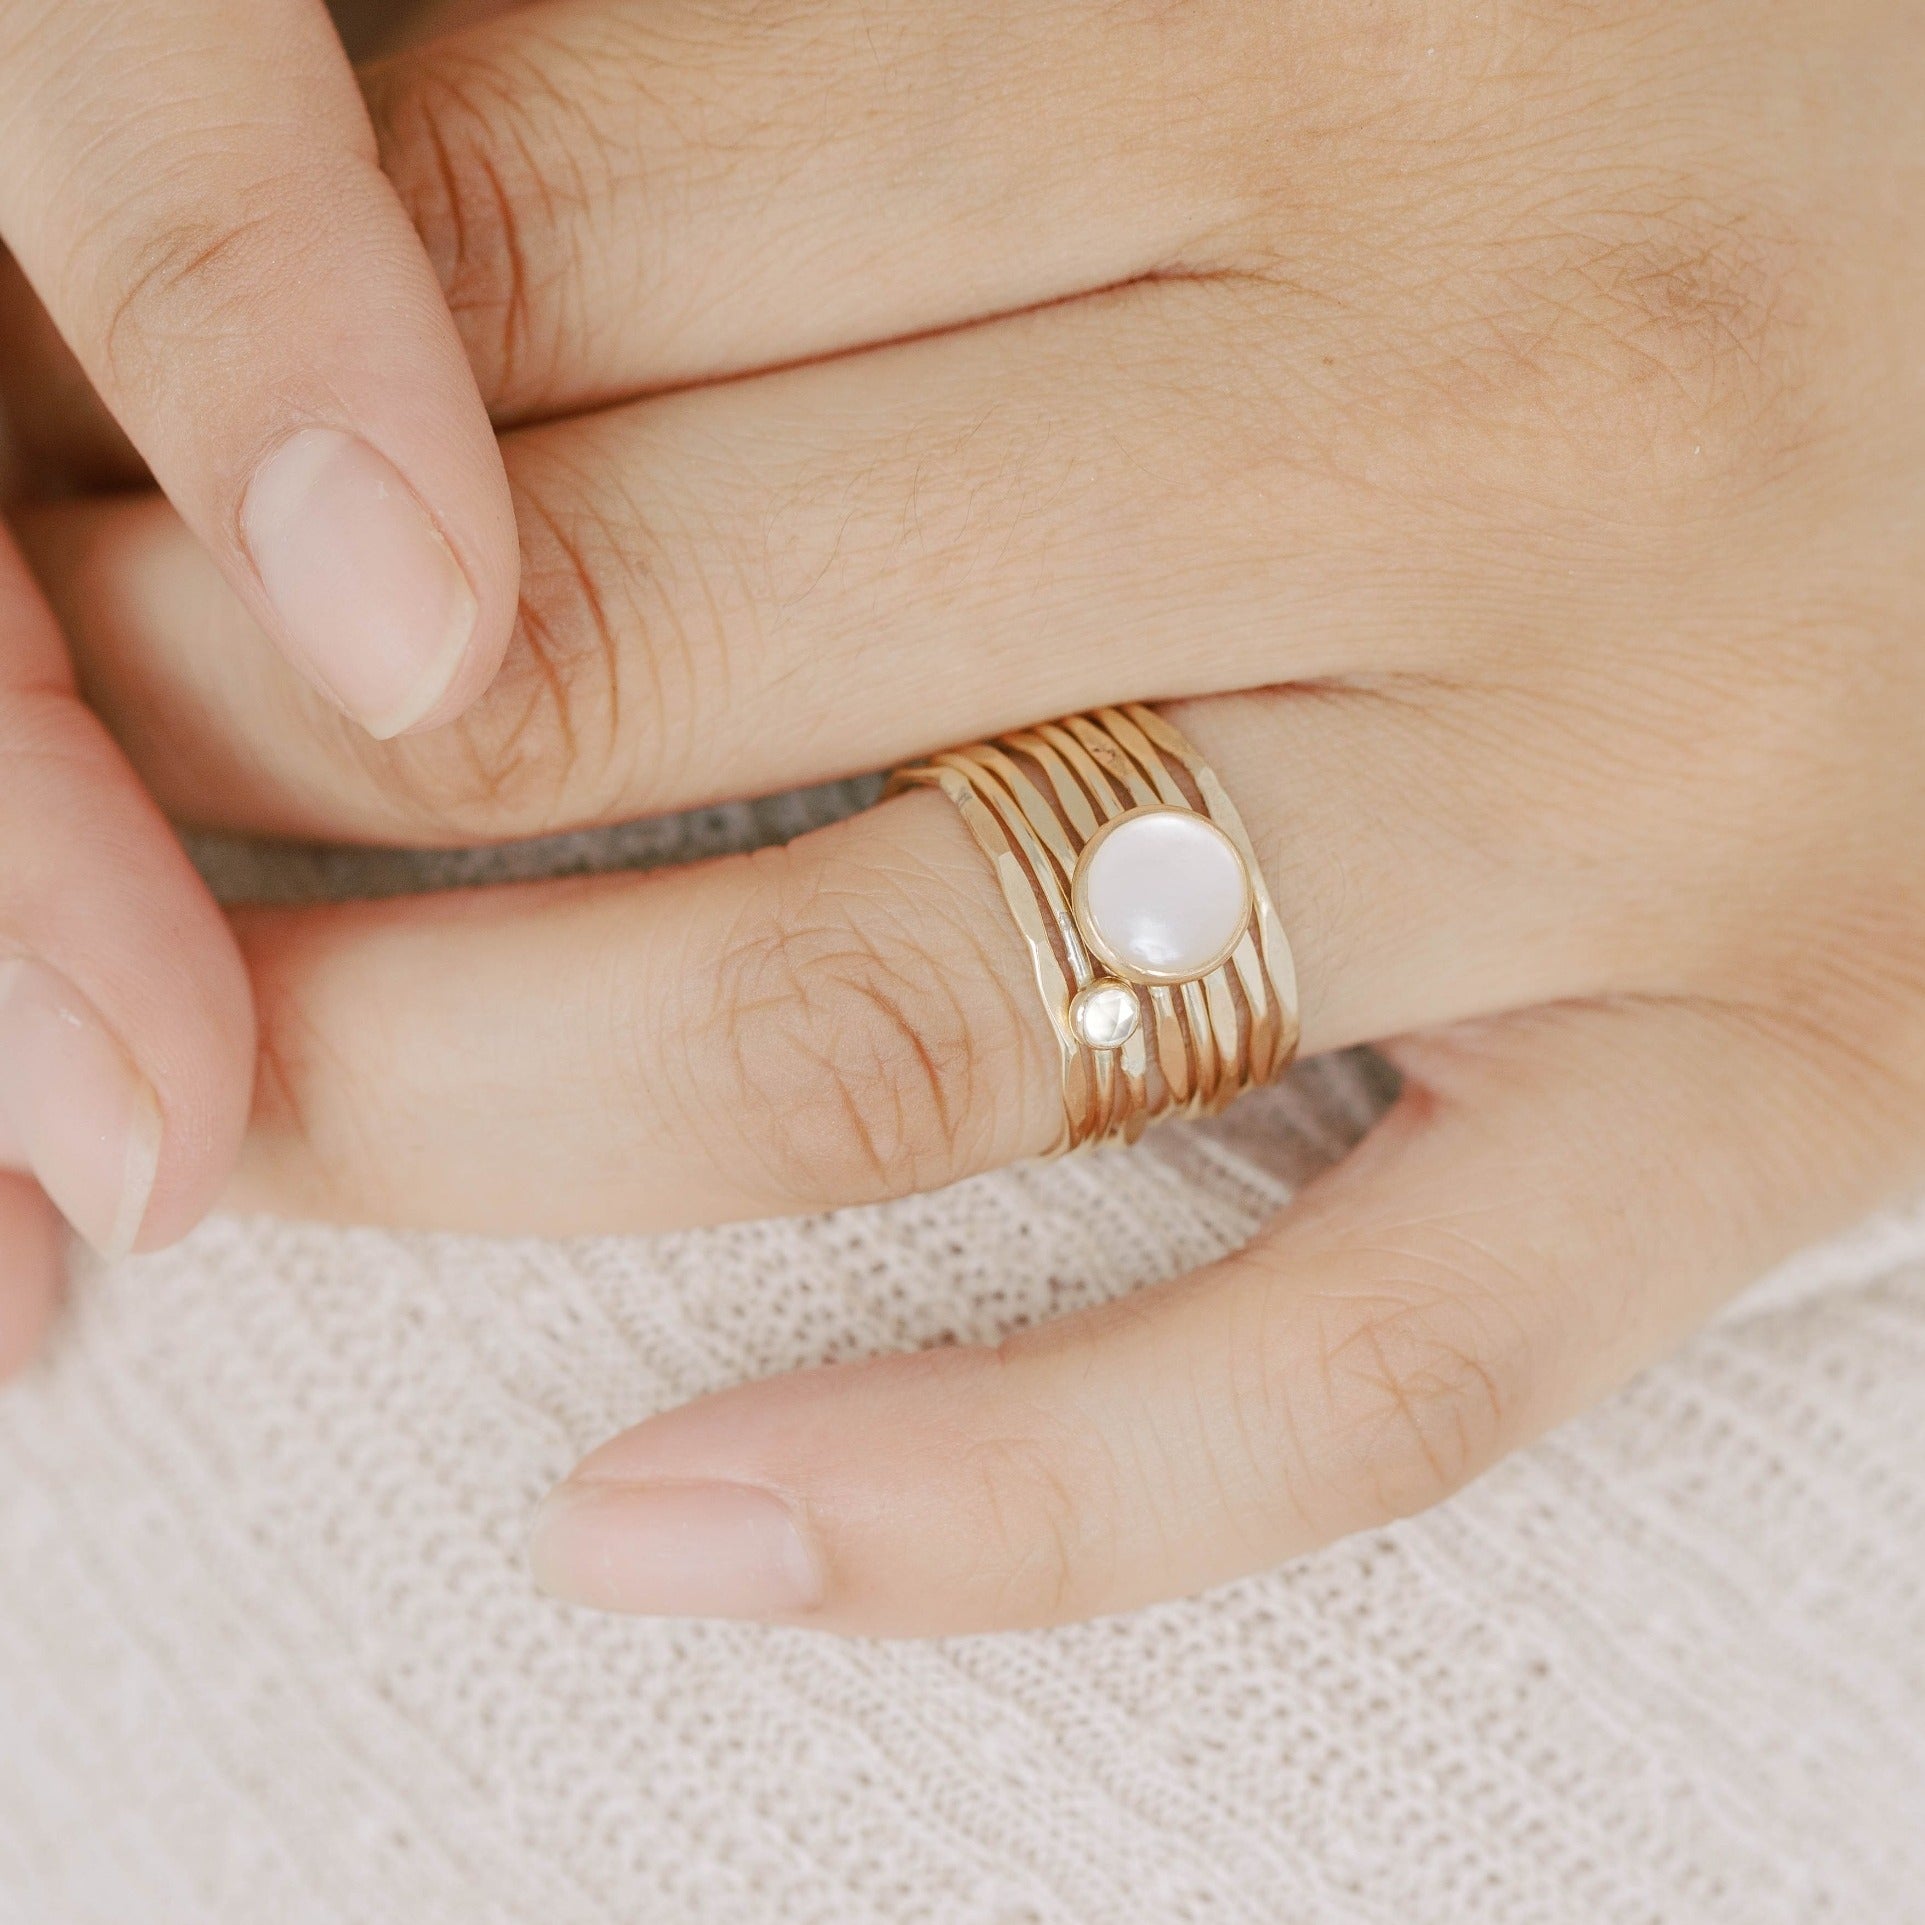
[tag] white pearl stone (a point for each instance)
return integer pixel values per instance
(1163, 895)
(1104, 1015)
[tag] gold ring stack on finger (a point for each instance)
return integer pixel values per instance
(1156, 948)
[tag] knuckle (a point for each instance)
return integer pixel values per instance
(1046, 1493)
(853, 1066)
(1634, 349)
(187, 280)
(1400, 1390)
(507, 767)
(1034, 1527)
(1658, 342)
(553, 742)
(1627, 323)
(487, 154)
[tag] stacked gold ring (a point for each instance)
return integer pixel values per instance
(1156, 948)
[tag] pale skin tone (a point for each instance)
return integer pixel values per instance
(207, 280)
(1497, 436)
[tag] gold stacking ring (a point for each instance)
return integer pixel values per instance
(1156, 948)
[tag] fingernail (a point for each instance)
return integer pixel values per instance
(368, 593)
(674, 1550)
(73, 1108)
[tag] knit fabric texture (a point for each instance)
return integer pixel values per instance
(269, 1656)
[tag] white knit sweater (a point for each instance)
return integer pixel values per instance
(268, 1655)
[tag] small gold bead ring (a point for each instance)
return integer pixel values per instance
(1155, 945)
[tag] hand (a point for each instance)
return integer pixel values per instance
(1523, 401)
(192, 187)
(126, 1027)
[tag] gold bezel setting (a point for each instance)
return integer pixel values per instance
(1092, 934)
(1103, 991)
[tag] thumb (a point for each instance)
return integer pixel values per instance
(192, 188)
(1555, 1199)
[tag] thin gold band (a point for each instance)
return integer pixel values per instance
(1035, 801)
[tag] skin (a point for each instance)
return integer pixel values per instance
(200, 262)
(1497, 435)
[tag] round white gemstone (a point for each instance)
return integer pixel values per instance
(1164, 895)
(1104, 1015)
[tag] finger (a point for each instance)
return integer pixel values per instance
(620, 199)
(63, 441)
(126, 1032)
(855, 1015)
(1555, 1201)
(192, 188)
(774, 583)
(30, 1271)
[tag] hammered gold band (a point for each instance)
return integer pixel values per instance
(1155, 1015)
